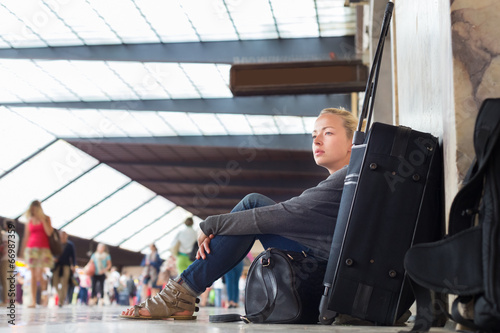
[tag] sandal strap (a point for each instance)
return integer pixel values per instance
(136, 310)
(173, 298)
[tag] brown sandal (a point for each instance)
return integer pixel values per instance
(172, 299)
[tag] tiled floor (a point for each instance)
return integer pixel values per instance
(79, 319)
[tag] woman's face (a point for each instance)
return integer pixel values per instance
(100, 248)
(331, 147)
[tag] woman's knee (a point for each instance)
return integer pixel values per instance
(254, 200)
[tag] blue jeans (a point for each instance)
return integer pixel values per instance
(226, 251)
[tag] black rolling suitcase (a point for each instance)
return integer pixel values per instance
(391, 200)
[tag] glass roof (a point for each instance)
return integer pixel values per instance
(38, 23)
(90, 199)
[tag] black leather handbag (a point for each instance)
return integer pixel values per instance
(282, 287)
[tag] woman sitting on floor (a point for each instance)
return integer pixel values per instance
(304, 223)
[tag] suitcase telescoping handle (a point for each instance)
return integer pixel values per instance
(371, 84)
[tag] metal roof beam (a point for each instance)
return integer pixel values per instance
(300, 184)
(288, 105)
(282, 167)
(245, 143)
(229, 52)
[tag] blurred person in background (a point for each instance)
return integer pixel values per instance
(152, 263)
(232, 279)
(35, 246)
(84, 285)
(9, 240)
(114, 283)
(182, 245)
(64, 267)
(131, 290)
(102, 263)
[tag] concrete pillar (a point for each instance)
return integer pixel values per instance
(446, 61)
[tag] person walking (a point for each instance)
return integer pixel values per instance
(232, 279)
(9, 243)
(183, 244)
(102, 263)
(64, 267)
(35, 246)
(152, 263)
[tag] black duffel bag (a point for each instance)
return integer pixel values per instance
(282, 287)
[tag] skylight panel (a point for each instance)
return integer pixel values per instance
(224, 71)
(7, 97)
(86, 23)
(98, 218)
(336, 19)
(210, 19)
(40, 176)
(105, 79)
(135, 221)
(59, 122)
(17, 86)
(137, 76)
(154, 123)
(69, 74)
(30, 72)
(235, 124)
(180, 123)
(289, 124)
(83, 193)
(169, 20)
(124, 19)
(308, 124)
(126, 122)
(253, 19)
(208, 123)
(173, 79)
(263, 125)
(17, 19)
(304, 29)
(208, 79)
(142, 239)
(45, 22)
(102, 125)
(16, 145)
(296, 18)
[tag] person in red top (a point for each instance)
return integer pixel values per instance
(36, 245)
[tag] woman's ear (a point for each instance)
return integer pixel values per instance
(350, 147)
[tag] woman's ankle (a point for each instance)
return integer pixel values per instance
(186, 286)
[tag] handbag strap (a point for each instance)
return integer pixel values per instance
(271, 296)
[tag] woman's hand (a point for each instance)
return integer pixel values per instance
(203, 245)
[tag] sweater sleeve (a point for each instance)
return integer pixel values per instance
(305, 215)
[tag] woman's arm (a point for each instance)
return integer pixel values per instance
(305, 215)
(47, 226)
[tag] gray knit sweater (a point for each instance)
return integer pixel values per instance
(308, 219)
